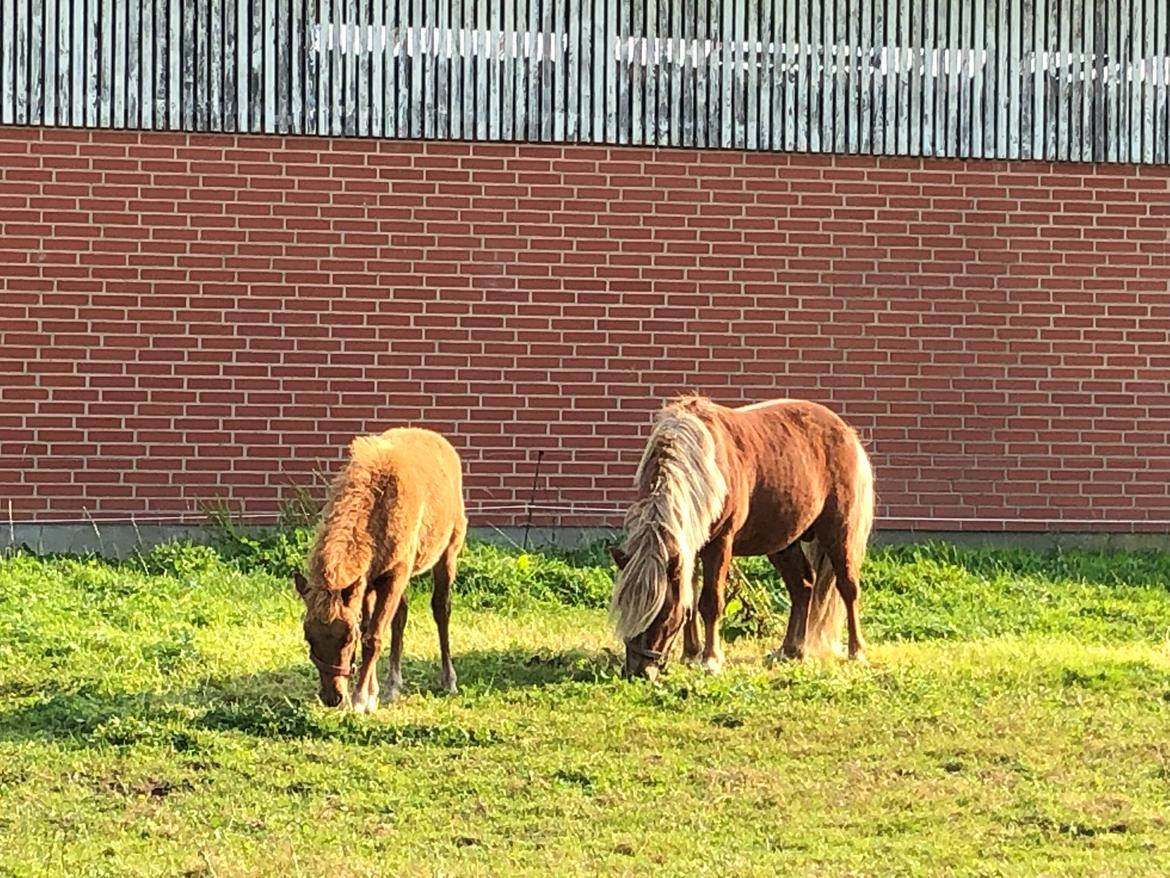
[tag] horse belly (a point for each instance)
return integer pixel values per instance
(438, 525)
(776, 519)
(428, 555)
(764, 540)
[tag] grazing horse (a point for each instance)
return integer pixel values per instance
(394, 511)
(717, 482)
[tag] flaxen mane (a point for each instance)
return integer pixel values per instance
(681, 494)
(343, 549)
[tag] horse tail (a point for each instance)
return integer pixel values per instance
(826, 610)
(826, 614)
(861, 513)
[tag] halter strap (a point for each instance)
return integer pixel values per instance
(655, 656)
(332, 670)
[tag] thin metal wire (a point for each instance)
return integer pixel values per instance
(616, 509)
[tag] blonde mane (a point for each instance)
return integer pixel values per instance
(681, 495)
(343, 549)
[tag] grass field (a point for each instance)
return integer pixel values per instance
(156, 718)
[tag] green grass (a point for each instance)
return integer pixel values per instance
(157, 718)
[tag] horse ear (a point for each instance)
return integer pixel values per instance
(301, 583)
(620, 558)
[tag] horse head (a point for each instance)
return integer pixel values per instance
(332, 628)
(652, 608)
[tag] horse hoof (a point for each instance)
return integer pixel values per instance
(785, 653)
(781, 655)
(859, 658)
(713, 664)
(447, 683)
(692, 659)
(393, 686)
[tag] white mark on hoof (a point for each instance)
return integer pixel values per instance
(859, 658)
(713, 664)
(447, 681)
(366, 700)
(692, 659)
(359, 704)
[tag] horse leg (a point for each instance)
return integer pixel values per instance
(692, 647)
(792, 565)
(388, 591)
(368, 604)
(394, 672)
(369, 607)
(716, 557)
(443, 575)
(848, 586)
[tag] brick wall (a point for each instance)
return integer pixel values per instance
(186, 319)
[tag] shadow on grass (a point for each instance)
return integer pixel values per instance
(479, 671)
(280, 704)
(482, 671)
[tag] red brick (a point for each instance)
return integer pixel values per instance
(230, 309)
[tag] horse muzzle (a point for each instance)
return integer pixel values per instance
(333, 691)
(642, 662)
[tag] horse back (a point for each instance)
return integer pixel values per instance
(398, 503)
(421, 509)
(787, 462)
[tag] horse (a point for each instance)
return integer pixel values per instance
(394, 511)
(717, 482)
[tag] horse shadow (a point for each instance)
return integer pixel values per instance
(495, 670)
(479, 672)
(281, 703)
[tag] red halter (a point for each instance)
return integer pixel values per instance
(332, 670)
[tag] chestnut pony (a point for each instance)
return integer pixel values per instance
(717, 482)
(394, 511)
